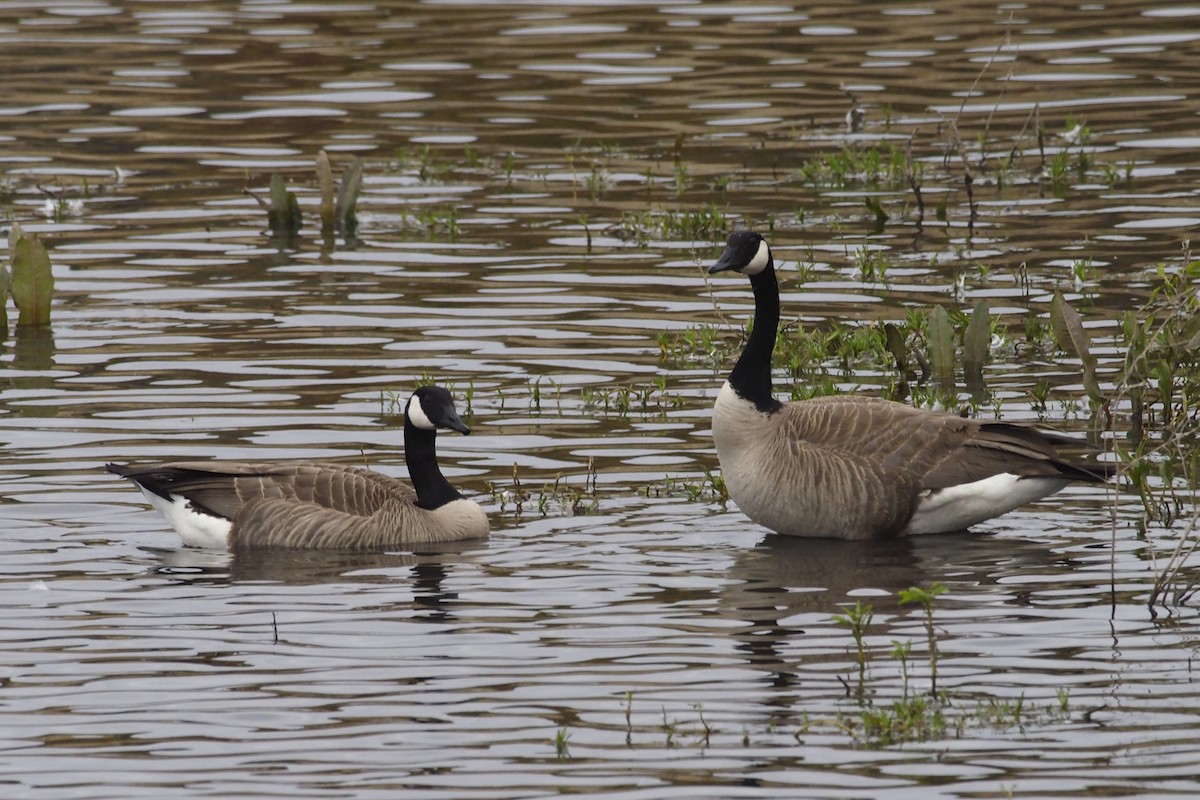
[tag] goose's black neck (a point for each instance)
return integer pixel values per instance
(420, 454)
(751, 375)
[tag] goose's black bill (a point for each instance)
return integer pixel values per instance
(451, 420)
(728, 260)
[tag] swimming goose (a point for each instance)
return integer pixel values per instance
(860, 467)
(318, 505)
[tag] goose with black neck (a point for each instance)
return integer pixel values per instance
(854, 467)
(319, 505)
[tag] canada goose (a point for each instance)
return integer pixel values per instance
(319, 505)
(859, 467)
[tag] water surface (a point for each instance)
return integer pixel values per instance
(523, 163)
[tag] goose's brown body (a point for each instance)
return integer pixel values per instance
(858, 467)
(309, 505)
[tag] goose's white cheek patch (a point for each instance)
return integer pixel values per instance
(416, 415)
(759, 262)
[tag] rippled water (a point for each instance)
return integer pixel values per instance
(510, 155)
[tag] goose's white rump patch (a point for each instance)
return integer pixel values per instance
(195, 529)
(959, 507)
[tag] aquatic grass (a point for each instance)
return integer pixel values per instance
(1084, 273)
(1158, 388)
(919, 716)
(435, 220)
(857, 618)
(1115, 174)
(706, 729)
(673, 732)
(596, 182)
(61, 208)
(1067, 161)
(645, 399)
(705, 342)
(562, 741)
(560, 495)
(705, 224)
(924, 597)
(423, 162)
(880, 165)
(669, 729)
(871, 264)
(710, 486)
(517, 494)
(911, 719)
(570, 500)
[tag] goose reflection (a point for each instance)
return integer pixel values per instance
(786, 583)
(424, 572)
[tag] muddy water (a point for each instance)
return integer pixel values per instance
(512, 153)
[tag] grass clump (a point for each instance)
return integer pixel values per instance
(652, 398)
(880, 165)
(857, 619)
(561, 495)
(705, 224)
(918, 716)
(1159, 388)
(710, 486)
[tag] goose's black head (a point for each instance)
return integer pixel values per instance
(432, 407)
(747, 252)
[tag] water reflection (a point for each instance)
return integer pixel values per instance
(34, 351)
(300, 567)
(785, 584)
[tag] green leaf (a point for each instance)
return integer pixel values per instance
(325, 181)
(347, 199)
(896, 345)
(5, 288)
(1189, 333)
(32, 281)
(977, 340)
(283, 216)
(921, 595)
(939, 339)
(876, 208)
(1072, 338)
